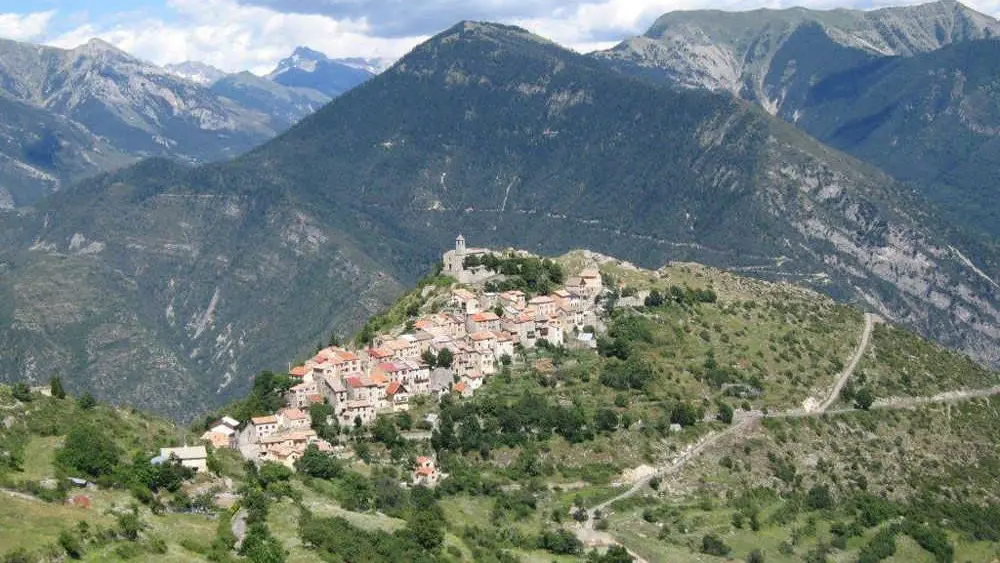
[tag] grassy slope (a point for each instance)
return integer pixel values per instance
(791, 339)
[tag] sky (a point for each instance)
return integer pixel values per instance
(254, 35)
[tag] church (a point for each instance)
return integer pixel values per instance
(454, 263)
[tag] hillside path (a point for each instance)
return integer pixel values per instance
(852, 365)
(587, 532)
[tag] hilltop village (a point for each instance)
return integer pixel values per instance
(476, 332)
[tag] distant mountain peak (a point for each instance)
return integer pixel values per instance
(98, 46)
(309, 68)
(196, 71)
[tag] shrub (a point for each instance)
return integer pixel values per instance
(712, 545)
(755, 556)
(71, 544)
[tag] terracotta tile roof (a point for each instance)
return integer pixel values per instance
(379, 353)
(503, 336)
(394, 388)
(378, 379)
(315, 399)
(482, 335)
(294, 414)
(463, 294)
(354, 382)
(258, 420)
(299, 371)
(541, 300)
(485, 316)
(423, 460)
(460, 387)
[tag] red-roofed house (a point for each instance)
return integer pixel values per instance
(425, 472)
(397, 396)
(485, 321)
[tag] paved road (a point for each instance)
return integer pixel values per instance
(859, 353)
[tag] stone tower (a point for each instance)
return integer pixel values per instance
(460, 245)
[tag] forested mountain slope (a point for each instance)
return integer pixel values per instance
(490, 131)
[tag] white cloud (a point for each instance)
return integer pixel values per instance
(233, 37)
(25, 27)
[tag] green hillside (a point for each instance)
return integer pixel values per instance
(729, 360)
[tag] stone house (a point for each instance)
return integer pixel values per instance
(480, 322)
(262, 426)
(465, 301)
(362, 410)
(292, 419)
(543, 305)
(334, 391)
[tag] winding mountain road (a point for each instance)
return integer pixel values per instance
(587, 533)
(866, 336)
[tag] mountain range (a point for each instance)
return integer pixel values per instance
(69, 114)
(189, 279)
(910, 90)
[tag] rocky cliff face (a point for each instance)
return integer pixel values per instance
(772, 56)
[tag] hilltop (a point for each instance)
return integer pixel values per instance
(711, 416)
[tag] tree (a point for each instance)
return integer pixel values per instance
(819, 498)
(426, 529)
(755, 556)
(429, 358)
(21, 392)
(315, 463)
(614, 554)
(712, 545)
(864, 399)
(89, 450)
(56, 387)
(725, 413)
(606, 420)
(445, 358)
(129, 525)
(260, 546)
(71, 544)
(271, 473)
(654, 299)
(86, 401)
(560, 542)
(684, 414)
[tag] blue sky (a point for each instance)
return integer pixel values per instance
(254, 34)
